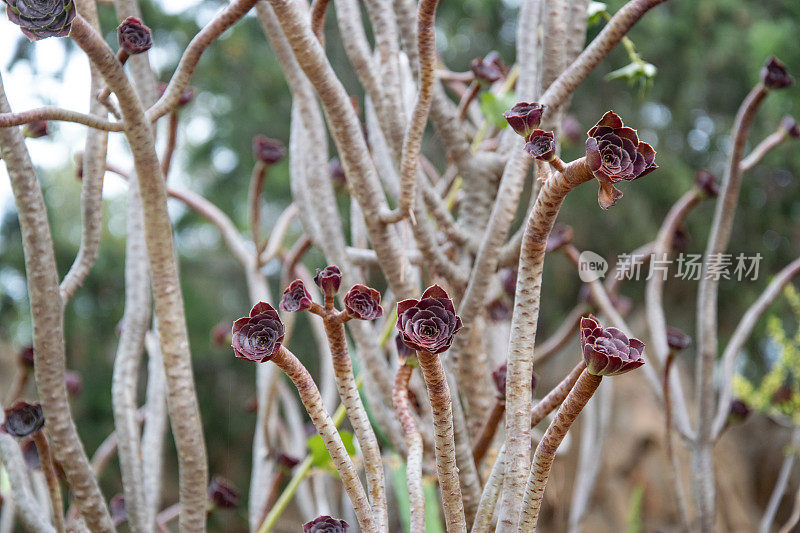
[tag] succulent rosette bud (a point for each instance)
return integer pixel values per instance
(363, 302)
(524, 117)
(614, 153)
(258, 337)
(430, 323)
(498, 310)
(25, 356)
(221, 334)
(706, 182)
(739, 411)
(119, 513)
(222, 493)
(489, 68)
(74, 382)
(608, 351)
(789, 125)
(774, 75)
(329, 279)
(500, 375)
(268, 151)
(326, 524)
(39, 19)
(36, 129)
(23, 419)
(296, 297)
(677, 340)
(559, 237)
(134, 37)
(541, 145)
(31, 455)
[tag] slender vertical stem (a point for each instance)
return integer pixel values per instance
(413, 440)
(721, 227)
(546, 450)
(312, 401)
(48, 325)
(50, 475)
(439, 394)
(348, 392)
(254, 201)
(490, 495)
(780, 484)
(28, 509)
(172, 140)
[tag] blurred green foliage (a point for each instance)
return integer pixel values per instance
(708, 55)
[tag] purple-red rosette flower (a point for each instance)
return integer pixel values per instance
(134, 37)
(258, 337)
(488, 69)
(363, 302)
(268, 151)
(706, 182)
(326, 524)
(608, 351)
(677, 340)
(430, 323)
(774, 75)
(541, 145)
(614, 153)
(296, 297)
(329, 279)
(23, 419)
(789, 125)
(222, 493)
(39, 19)
(524, 117)
(36, 129)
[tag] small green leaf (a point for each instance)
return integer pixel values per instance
(320, 458)
(493, 107)
(595, 13)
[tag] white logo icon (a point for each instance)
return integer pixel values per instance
(591, 267)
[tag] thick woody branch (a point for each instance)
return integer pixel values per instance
(47, 313)
(414, 443)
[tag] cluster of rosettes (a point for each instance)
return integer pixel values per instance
(40, 19)
(608, 351)
(525, 118)
(615, 153)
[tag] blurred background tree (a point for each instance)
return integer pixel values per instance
(708, 55)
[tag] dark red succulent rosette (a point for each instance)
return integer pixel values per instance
(774, 75)
(36, 129)
(541, 145)
(23, 419)
(706, 182)
(296, 297)
(326, 524)
(134, 37)
(363, 303)
(524, 117)
(789, 125)
(677, 340)
(267, 150)
(608, 351)
(287, 462)
(258, 337)
(222, 493)
(39, 19)
(329, 279)
(614, 153)
(489, 68)
(430, 323)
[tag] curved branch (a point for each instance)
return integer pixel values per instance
(58, 114)
(763, 148)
